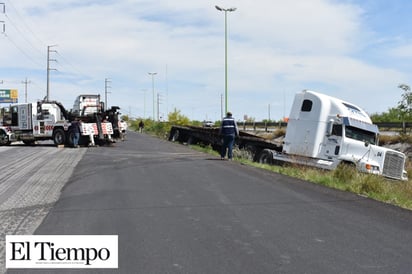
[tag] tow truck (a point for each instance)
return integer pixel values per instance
(49, 120)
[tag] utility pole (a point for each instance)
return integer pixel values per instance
(152, 74)
(25, 89)
(49, 69)
(158, 106)
(106, 86)
(144, 103)
(3, 23)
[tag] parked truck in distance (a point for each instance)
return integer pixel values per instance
(89, 107)
(323, 132)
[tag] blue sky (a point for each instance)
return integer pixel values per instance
(359, 51)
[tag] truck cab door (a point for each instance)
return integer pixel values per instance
(332, 144)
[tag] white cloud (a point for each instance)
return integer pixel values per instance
(276, 48)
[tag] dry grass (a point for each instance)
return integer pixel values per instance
(394, 139)
(280, 132)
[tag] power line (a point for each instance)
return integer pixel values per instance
(71, 65)
(21, 19)
(21, 28)
(22, 35)
(22, 51)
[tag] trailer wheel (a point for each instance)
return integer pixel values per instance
(4, 139)
(59, 137)
(266, 157)
(174, 136)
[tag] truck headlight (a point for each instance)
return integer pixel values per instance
(372, 168)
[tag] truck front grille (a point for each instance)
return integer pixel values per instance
(393, 165)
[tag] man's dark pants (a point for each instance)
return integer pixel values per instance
(228, 141)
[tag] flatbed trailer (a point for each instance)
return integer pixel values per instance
(210, 136)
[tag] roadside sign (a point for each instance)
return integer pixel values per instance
(9, 96)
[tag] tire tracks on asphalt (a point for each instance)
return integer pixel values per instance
(31, 180)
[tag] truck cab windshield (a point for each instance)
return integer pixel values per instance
(360, 135)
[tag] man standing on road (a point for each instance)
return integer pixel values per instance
(228, 131)
(76, 132)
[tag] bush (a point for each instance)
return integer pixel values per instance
(243, 153)
(371, 184)
(160, 129)
(345, 173)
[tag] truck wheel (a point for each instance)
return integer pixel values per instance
(69, 138)
(4, 139)
(59, 137)
(266, 157)
(174, 136)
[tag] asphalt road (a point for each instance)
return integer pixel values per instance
(31, 179)
(181, 211)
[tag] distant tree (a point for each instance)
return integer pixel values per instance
(125, 117)
(176, 118)
(405, 104)
(392, 115)
(401, 113)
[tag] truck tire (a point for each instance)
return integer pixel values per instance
(69, 138)
(174, 136)
(4, 139)
(59, 137)
(266, 157)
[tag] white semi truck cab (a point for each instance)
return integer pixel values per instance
(324, 131)
(87, 104)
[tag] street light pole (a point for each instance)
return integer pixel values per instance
(225, 10)
(48, 70)
(144, 103)
(106, 86)
(153, 74)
